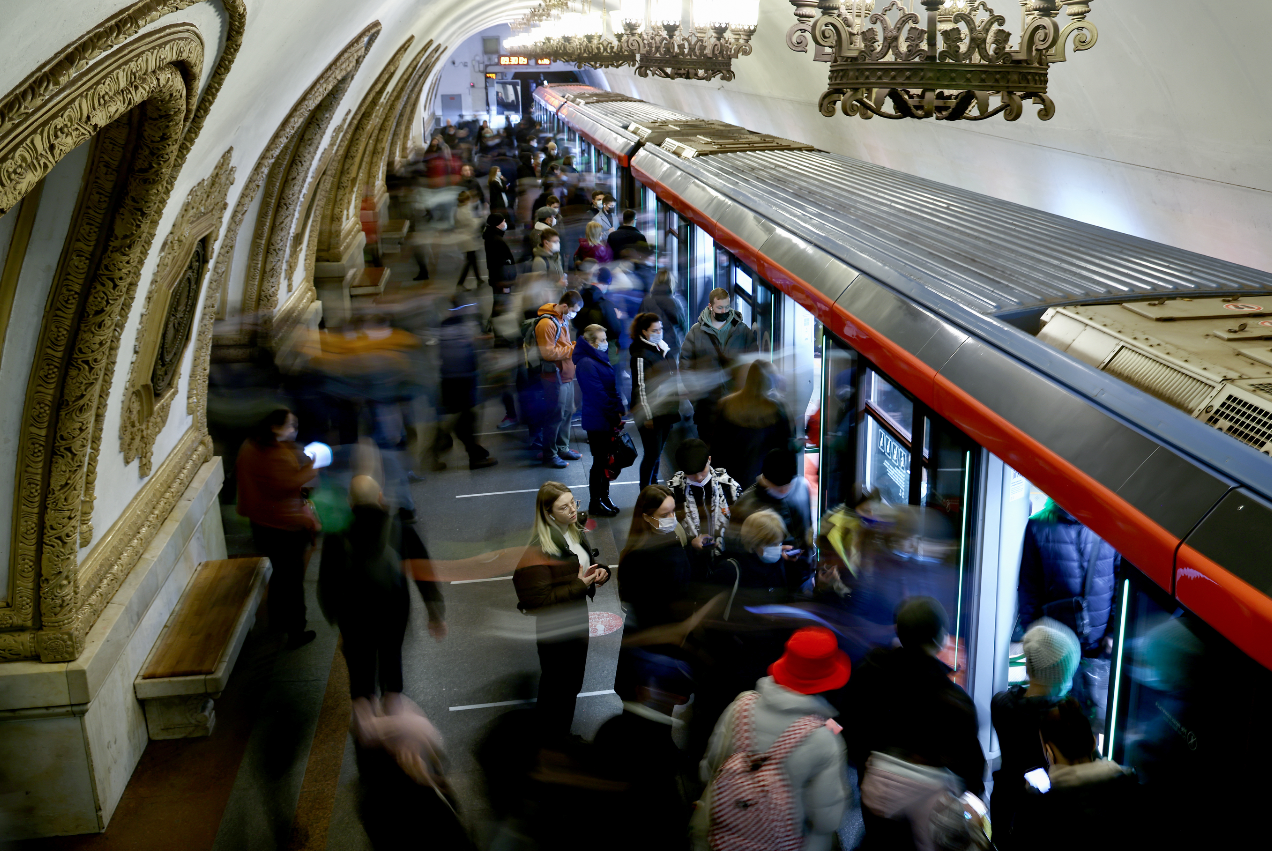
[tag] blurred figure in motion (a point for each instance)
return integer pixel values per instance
(501, 268)
(592, 245)
(556, 374)
(775, 762)
(468, 229)
(654, 573)
(1082, 800)
(712, 349)
(1051, 659)
(597, 309)
(704, 495)
(914, 731)
(625, 236)
(457, 339)
(272, 474)
(655, 400)
(469, 183)
(362, 587)
(780, 490)
(602, 416)
(401, 769)
(663, 301)
(554, 579)
(748, 424)
(502, 198)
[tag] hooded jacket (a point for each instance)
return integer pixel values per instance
(547, 262)
(709, 352)
(555, 347)
(814, 770)
(598, 310)
(602, 409)
(1053, 565)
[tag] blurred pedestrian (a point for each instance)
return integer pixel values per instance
(712, 349)
(655, 401)
(501, 268)
(602, 415)
(670, 307)
(501, 196)
(457, 349)
(910, 721)
(592, 245)
(468, 182)
(781, 489)
(597, 309)
(468, 229)
(775, 762)
(1051, 659)
(625, 235)
(748, 424)
(704, 496)
(552, 333)
(554, 579)
(654, 572)
(272, 474)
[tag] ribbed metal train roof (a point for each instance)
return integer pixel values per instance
(623, 113)
(993, 256)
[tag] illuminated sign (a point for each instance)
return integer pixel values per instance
(513, 60)
(543, 61)
(490, 75)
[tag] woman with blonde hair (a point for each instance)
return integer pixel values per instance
(748, 424)
(592, 245)
(554, 579)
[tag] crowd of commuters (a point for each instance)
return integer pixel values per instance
(742, 726)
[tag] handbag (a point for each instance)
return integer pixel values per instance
(622, 454)
(1073, 612)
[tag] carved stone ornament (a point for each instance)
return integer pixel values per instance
(168, 315)
(134, 163)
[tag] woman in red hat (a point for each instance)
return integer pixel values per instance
(786, 721)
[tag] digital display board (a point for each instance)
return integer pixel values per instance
(522, 60)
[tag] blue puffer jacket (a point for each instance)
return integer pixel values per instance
(602, 409)
(1053, 567)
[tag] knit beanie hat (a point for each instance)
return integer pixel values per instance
(1051, 653)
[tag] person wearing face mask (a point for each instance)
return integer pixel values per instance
(501, 267)
(655, 403)
(547, 257)
(552, 333)
(712, 348)
(780, 490)
(556, 576)
(654, 571)
(602, 415)
(703, 495)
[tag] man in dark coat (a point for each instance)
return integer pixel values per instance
(904, 706)
(713, 346)
(501, 268)
(1053, 566)
(625, 235)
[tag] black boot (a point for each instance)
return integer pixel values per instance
(608, 506)
(600, 509)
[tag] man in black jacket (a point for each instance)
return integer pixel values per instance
(904, 707)
(625, 235)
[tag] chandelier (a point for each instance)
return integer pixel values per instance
(721, 32)
(883, 63)
(546, 11)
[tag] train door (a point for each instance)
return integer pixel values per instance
(702, 272)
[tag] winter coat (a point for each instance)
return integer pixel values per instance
(1095, 806)
(269, 483)
(602, 408)
(740, 449)
(721, 483)
(555, 347)
(653, 581)
(502, 197)
(598, 310)
(548, 263)
(623, 237)
(709, 352)
(654, 391)
(1016, 720)
(473, 186)
(468, 227)
(1053, 564)
(549, 587)
(600, 253)
(501, 268)
(903, 703)
(814, 770)
(670, 308)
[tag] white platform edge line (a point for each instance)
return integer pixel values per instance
(519, 702)
(530, 490)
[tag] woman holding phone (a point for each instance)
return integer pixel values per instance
(556, 575)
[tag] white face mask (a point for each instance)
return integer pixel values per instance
(665, 525)
(771, 554)
(655, 337)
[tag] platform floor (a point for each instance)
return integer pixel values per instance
(279, 770)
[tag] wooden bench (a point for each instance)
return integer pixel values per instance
(371, 281)
(191, 661)
(391, 235)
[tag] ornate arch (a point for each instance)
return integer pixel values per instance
(339, 224)
(400, 140)
(374, 160)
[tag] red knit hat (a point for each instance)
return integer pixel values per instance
(812, 663)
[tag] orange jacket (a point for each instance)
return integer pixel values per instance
(555, 346)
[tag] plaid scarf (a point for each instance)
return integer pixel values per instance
(717, 506)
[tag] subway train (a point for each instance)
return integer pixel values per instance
(964, 351)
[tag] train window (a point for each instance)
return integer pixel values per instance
(886, 463)
(744, 294)
(702, 275)
(884, 400)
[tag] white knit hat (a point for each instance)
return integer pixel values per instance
(1051, 653)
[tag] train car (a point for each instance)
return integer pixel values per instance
(909, 320)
